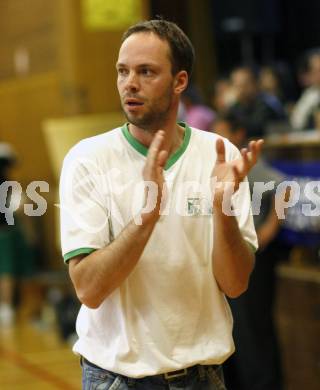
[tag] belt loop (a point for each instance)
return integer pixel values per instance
(131, 382)
(202, 372)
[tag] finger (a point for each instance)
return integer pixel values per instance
(162, 158)
(244, 165)
(251, 154)
(157, 140)
(259, 144)
(238, 177)
(245, 156)
(255, 148)
(221, 151)
(155, 147)
(249, 158)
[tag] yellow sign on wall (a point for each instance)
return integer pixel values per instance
(111, 14)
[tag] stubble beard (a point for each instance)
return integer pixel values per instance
(154, 119)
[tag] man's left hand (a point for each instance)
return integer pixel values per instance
(232, 173)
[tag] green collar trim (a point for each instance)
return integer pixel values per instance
(144, 150)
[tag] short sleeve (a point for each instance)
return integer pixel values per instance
(241, 202)
(84, 217)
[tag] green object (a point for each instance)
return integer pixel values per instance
(17, 258)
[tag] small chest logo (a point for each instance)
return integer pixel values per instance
(198, 206)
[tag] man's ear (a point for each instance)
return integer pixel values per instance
(180, 82)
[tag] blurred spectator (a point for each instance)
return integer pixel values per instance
(193, 110)
(303, 74)
(222, 96)
(277, 80)
(271, 90)
(255, 109)
(16, 256)
(269, 82)
(256, 362)
(308, 105)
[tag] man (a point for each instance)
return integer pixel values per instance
(256, 110)
(304, 113)
(141, 257)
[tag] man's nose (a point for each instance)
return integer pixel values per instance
(132, 83)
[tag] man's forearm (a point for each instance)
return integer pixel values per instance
(100, 273)
(232, 258)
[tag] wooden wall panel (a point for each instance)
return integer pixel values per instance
(65, 70)
(24, 105)
(28, 27)
(88, 62)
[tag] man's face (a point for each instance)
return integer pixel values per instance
(145, 82)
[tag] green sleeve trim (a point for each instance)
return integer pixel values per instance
(76, 252)
(144, 150)
(252, 247)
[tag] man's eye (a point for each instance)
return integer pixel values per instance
(146, 72)
(122, 71)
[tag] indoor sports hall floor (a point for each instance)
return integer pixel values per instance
(32, 357)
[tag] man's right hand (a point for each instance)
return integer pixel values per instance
(153, 174)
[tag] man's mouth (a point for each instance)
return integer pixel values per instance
(133, 102)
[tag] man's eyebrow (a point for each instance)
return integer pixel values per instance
(153, 64)
(147, 64)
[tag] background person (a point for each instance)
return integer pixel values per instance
(196, 113)
(255, 109)
(256, 363)
(17, 257)
(303, 113)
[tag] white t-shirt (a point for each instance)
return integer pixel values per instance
(169, 313)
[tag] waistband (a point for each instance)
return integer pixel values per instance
(167, 377)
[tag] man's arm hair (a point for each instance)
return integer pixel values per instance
(232, 257)
(98, 274)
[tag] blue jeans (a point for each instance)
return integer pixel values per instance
(198, 378)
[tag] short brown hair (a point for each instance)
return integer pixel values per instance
(182, 51)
